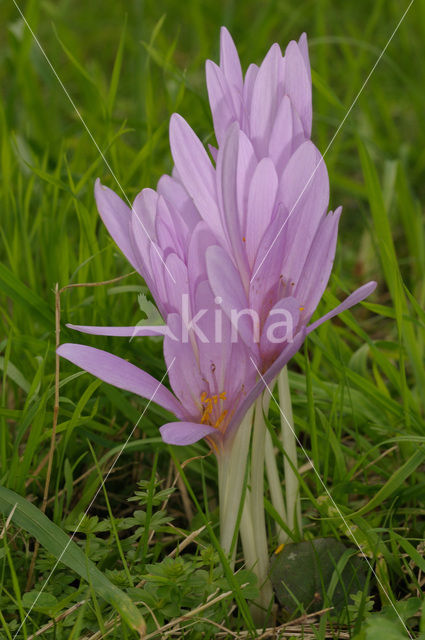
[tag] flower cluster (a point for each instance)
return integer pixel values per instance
(242, 233)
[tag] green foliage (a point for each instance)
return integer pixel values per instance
(309, 576)
(358, 387)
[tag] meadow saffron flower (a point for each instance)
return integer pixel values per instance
(272, 104)
(210, 377)
(266, 198)
(245, 238)
(251, 232)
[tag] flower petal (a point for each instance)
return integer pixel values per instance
(261, 202)
(303, 46)
(267, 378)
(184, 375)
(278, 331)
(116, 216)
(229, 60)
(176, 282)
(304, 190)
(176, 195)
(121, 374)
(226, 283)
(266, 273)
(265, 98)
(247, 163)
(138, 330)
(248, 89)
(318, 265)
(298, 85)
(354, 298)
(286, 136)
(227, 166)
(221, 104)
(195, 170)
(183, 433)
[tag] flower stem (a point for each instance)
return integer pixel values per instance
(275, 486)
(293, 504)
(275, 481)
(232, 460)
(253, 529)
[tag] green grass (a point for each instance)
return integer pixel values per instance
(358, 386)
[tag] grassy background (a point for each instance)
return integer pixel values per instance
(359, 385)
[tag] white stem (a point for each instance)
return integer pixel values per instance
(247, 533)
(293, 504)
(253, 528)
(275, 486)
(273, 477)
(232, 460)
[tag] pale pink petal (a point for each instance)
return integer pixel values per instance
(184, 433)
(303, 46)
(221, 103)
(265, 99)
(121, 374)
(248, 88)
(174, 193)
(229, 60)
(304, 189)
(184, 374)
(215, 353)
(261, 203)
(226, 284)
(267, 269)
(176, 282)
(247, 163)
(195, 170)
(143, 233)
(116, 216)
(266, 379)
(286, 136)
(318, 265)
(138, 330)
(280, 328)
(227, 166)
(298, 85)
(200, 240)
(357, 296)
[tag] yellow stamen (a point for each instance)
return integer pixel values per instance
(220, 420)
(301, 308)
(208, 406)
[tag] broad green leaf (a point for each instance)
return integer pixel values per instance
(56, 541)
(315, 572)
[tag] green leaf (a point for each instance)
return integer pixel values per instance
(15, 375)
(311, 572)
(394, 482)
(56, 541)
(153, 317)
(22, 295)
(116, 70)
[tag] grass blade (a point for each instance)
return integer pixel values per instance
(52, 538)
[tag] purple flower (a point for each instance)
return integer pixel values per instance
(165, 239)
(272, 104)
(266, 199)
(248, 240)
